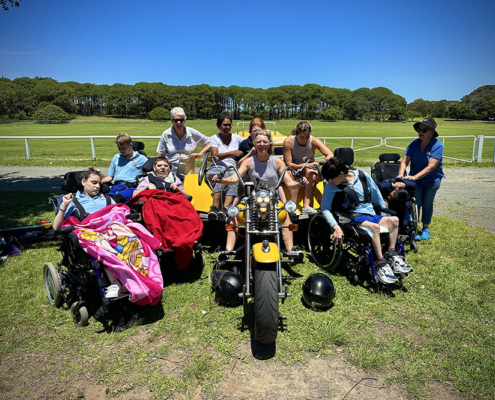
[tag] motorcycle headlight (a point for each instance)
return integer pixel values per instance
(290, 207)
(233, 211)
(262, 197)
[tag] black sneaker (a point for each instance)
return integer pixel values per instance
(222, 214)
(213, 214)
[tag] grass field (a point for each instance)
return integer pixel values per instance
(440, 328)
(73, 152)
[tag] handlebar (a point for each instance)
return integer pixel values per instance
(202, 170)
(281, 179)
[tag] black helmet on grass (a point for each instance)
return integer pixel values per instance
(226, 286)
(318, 291)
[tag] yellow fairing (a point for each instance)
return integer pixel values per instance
(282, 214)
(241, 218)
(317, 195)
(260, 256)
(202, 200)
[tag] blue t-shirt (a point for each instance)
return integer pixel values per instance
(122, 169)
(364, 208)
(90, 204)
(419, 160)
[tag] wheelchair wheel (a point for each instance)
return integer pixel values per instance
(199, 260)
(80, 315)
(413, 213)
(53, 285)
(321, 245)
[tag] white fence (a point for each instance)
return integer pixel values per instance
(473, 158)
(476, 153)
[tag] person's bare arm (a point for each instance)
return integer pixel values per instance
(200, 153)
(403, 165)
(318, 145)
(59, 218)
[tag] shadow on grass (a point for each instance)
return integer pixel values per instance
(19, 208)
(12, 181)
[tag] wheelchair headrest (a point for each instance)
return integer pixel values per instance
(389, 157)
(136, 146)
(345, 154)
(70, 183)
(278, 150)
(148, 165)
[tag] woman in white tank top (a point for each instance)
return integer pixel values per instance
(297, 146)
(265, 166)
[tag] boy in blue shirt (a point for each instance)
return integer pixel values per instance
(124, 168)
(338, 176)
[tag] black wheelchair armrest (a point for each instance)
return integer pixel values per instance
(55, 234)
(139, 205)
(385, 210)
(133, 216)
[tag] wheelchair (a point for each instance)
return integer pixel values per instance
(166, 257)
(388, 168)
(356, 255)
(78, 280)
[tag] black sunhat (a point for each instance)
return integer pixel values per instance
(428, 122)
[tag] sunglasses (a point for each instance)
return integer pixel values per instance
(176, 120)
(424, 130)
(227, 125)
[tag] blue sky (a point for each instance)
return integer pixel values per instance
(424, 49)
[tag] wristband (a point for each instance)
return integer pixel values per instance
(62, 210)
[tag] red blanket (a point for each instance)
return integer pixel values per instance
(172, 219)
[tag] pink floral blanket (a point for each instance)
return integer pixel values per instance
(125, 248)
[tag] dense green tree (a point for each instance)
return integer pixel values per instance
(159, 114)
(26, 95)
(331, 114)
(479, 99)
(51, 113)
(460, 111)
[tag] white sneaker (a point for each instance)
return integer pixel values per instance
(397, 263)
(309, 210)
(113, 291)
(384, 272)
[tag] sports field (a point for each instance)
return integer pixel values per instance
(74, 152)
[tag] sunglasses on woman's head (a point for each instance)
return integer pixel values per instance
(424, 130)
(178, 120)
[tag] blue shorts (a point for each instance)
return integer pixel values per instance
(122, 189)
(375, 219)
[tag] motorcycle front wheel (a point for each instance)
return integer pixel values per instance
(266, 302)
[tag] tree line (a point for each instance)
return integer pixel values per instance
(23, 97)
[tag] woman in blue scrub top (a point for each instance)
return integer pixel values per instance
(425, 155)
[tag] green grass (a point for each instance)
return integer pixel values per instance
(46, 152)
(439, 328)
